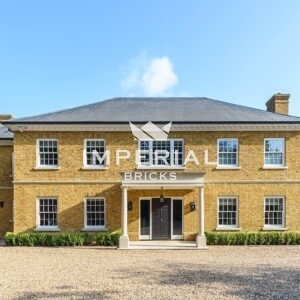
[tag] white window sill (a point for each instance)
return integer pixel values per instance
(228, 228)
(274, 167)
(160, 168)
(47, 168)
(274, 228)
(93, 229)
(228, 168)
(94, 168)
(48, 229)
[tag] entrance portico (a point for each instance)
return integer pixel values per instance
(157, 180)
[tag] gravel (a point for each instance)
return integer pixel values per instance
(222, 272)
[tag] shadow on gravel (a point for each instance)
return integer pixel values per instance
(263, 282)
(65, 295)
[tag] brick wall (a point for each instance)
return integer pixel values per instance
(6, 189)
(250, 183)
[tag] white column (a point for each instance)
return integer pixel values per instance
(124, 240)
(201, 238)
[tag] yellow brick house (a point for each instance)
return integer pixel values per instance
(157, 168)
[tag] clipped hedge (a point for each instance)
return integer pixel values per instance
(253, 238)
(61, 239)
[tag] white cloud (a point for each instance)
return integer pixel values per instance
(150, 76)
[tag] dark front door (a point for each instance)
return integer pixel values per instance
(161, 220)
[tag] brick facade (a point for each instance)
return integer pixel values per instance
(71, 183)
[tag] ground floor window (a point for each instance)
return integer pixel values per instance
(274, 212)
(47, 213)
(94, 213)
(227, 212)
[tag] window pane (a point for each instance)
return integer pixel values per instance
(227, 211)
(227, 152)
(95, 215)
(48, 211)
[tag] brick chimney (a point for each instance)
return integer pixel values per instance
(5, 117)
(279, 103)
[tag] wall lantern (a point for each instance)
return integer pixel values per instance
(129, 205)
(193, 205)
(161, 197)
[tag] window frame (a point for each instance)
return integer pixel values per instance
(275, 226)
(40, 227)
(94, 227)
(227, 226)
(38, 154)
(282, 165)
(85, 164)
(152, 160)
(236, 165)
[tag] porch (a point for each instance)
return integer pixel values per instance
(168, 181)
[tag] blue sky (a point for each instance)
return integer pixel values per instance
(62, 54)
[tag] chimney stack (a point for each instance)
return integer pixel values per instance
(279, 104)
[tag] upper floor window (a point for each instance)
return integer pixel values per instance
(94, 150)
(47, 214)
(227, 212)
(94, 214)
(274, 212)
(161, 153)
(274, 152)
(228, 152)
(47, 155)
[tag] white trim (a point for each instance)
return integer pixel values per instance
(225, 166)
(275, 166)
(218, 228)
(45, 228)
(228, 227)
(278, 226)
(67, 182)
(229, 167)
(93, 228)
(47, 168)
(274, 228)
(125, 127)
(38, 162)
(92, 167)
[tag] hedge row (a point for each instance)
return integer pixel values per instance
(61, 239)
(253, 238)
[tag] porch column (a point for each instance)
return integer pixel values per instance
(201, 238)
(124, 240)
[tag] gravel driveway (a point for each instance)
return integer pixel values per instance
(222, 272)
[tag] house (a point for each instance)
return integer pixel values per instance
(6, 186)
(156, 168)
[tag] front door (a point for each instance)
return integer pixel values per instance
(161, 219)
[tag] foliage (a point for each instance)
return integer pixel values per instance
(253, 238)
(61, 239)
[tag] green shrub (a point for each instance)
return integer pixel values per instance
(61, 239)
(253, 238)
(45, 239)
(107, 238)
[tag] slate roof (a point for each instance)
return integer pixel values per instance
(177, 110)
(5, 134)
